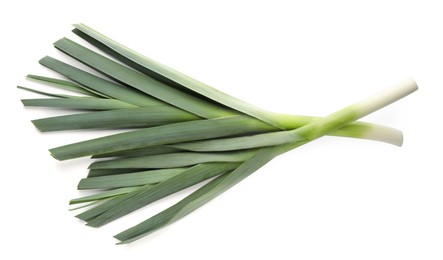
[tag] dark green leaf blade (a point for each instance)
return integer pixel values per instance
(99, 84)
(172, 160)
(66, 85)
(241, 143)
(78, 103)
(199, 197)
(150, 150)
(103, 195)
(46, 93)
(128, 179)
(159, 135)
(186, 179)
(168, 75)
(141, 82)
(123, 118)
(90, 214)
(105, 172)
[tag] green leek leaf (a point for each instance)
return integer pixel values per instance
(140, 81)
(172, 160)
(103, 195)
(46, 93)
(159, 135)
(78, 103)
(165, 74)
(123, 118)
(99, 84)
(150, 150)
(66, 85)
(128, 179)
(198, 198)
(136, 200)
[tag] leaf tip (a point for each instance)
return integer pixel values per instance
(55, 155)
(37, 124)
(31, 76)
(43, 60)
(80, 185)
(93, 224)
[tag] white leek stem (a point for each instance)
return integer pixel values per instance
(356, 111)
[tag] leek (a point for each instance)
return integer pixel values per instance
(178, 131)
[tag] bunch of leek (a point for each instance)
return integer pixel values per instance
(179, 131)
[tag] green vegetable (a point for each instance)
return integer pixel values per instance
(129, 179)
(178, 131)
(104, 195)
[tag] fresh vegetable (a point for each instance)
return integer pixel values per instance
(178, 131)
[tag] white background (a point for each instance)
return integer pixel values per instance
(335, 198)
